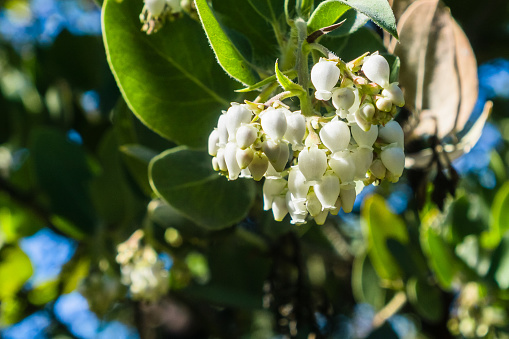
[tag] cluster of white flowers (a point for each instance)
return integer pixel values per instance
(312, 164)
(141, 269)
(155, 12)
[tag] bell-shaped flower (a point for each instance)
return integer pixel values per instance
(343, 98)
(296, 129)
(244, 157)
(392, 133)
(213, 142)
(174, 5)
(272, 173)
(361, 121)
(258, 165)
(279, 208)
(312, 163)
(393, 158)
(313, 204)
(364, 138)
(274, 122)
(324, 76)
(337, 206)
(222, 130)
(155, 7)
(376, 68)
(347, 196)
(221, 160)
(237, 115)
(335, 135)
(384, 104)
(245, 173)
(230, 157)
(272, 149)
(321, 217)
(394, 93)
(327, 190)
(246, 135)
(297, 184)
(298, 216)
(367, 110)
(272, 188)
(378, 169)
(363, 157)
(283, 157)
(343, 165)
(215, 164)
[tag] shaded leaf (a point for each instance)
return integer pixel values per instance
(499, 267)
(366, 284)
(137, 158)
(426, 299)
(354, 45)
(499, 218)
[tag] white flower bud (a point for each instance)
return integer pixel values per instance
(363, 157)
(215, 164)
(272, 173)
(337, 206)
(282, 160)
(343, 165)
(394, 93)
(361, 121)
(258, 166)
(222, 130)
(298, 216)
(230, 157)
(297, 184)
(384, 104)
(376, 69)
(296, 129)
(279, 208)
(393, 159)
(364, 138)
(220, 160)
(246, 135)
(343, 98)
(313, 205)
(321, 217)
(245, 173)
(392, 133)
(244, 157)
(174, 5)
(335, 135)
(237, 115)
(274, 122)
(347, 196)
(378, 169)
(312, 163)
(327, 190)
(155, 7)
(324, 76)
(272, 149)
(367, 110)
(213, 142)
(272, 188)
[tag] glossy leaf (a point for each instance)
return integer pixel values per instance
(227, 54)
(379, 225)
(176, 89)
(366, 284)
(137, 158)
(327, 13)
(186, 180)
(15, 270)
(426, 299)
(287, 83)
(499, 267)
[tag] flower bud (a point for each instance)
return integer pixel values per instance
(174, 5)
(258, 166)
(337, 206)
(272, 149)
(327, 190)
(220, 160)
(312, 163)
(244, 157)
(215, 164)
(222, 130)
(343, 165)
(296, 129)
(297, 184)
(384, 104)
(237, 115)
(392, 133)
(364, 138)
(321, 217)
(282, 160)
(376, 69)
(272, 188)
(367, 110)
(246, 135)
(393, 159)
(324, 76)
(335, 135)
(363, 157)
(155, 7)
(279, 208)
(274, 122)
(394, 93)
(378, 169)
(313, 205)
(230, 157)
(361, 121)
(343, 98)
(347, 196)
(213, 142)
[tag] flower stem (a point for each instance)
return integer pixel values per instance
(302, 67)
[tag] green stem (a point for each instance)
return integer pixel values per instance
(302, 67)
(320, 48)
(267, 91)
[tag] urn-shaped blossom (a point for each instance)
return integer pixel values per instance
(279, 208)
(393, 159)
(155, 7)
(376, 68)
(313, 163)
(213, 144)
(244, 157)
(392, 133)
(274, 122)
(296, 129)
(343, 165)
(324, 76)
(343, 98)
(237, 115)
(347, 196)
(272, 188)
(222, 130)
(246, 135)
(364, 138)
(297, 184)
(327, 190)
(284, 154)
(272, 149)
(335, 135)
(363, 157)
(174, 5)
(258, 165)
(394, 93)
(220, 160)
(298, 215)
(230, 157)
(378, 169)
(313, 204)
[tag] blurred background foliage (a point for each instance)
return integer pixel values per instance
(75, 182)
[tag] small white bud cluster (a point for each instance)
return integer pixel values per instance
(155, 13)
(141, 269)
(312, 165)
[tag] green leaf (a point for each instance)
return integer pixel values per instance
(63, 173)
(305, 7)
(326, 14)
(288, 84)
(499, 217)
(271, 10)
(266, 81)
(354, 45)
(426, 299)
(499, 267)
(15, 270)
(186, 180)
(366, 284)
(227, 54)
(170, 79)
(137, 159)
(379, 225)
(353, 21)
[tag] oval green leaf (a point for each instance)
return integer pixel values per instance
(326, 14)
(186, 180)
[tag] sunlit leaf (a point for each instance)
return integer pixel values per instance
(499, 267)
(15, 270)
(499, 218)
(326, 14)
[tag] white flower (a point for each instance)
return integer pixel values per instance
(279, 208)
(174, 5)
(244, 157)
(258, 166)
(313, 204)
(155, 7)
(384, 104)
(343, 165)
(312, 163)
(335, 135)
(237, 115)
(274, 122)
(296, 128)
(392, 133)
(342, 98)
(337, 206)
(220, 160)
(298, 216)
(321, 217)
(222, 130)
(363, 157)
(272, 149)
(327, 190)
(284, 154)
(347, 196)
(376, 69)
(297, 184)
(364, 138)
(393, 158)
(378, 169)
(246, 135)
(272, 188)
(230, 157)
(324, 76)
(394, 93)
(213, 142)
